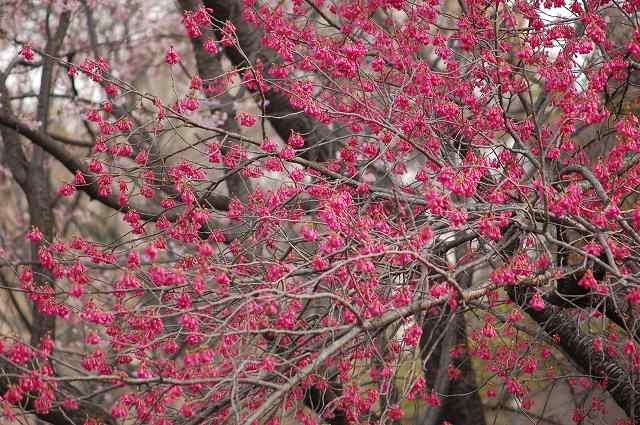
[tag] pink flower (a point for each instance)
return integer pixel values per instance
(629, 348)
(27, 52)
(93, 116)
(196, 83)
(634, 296)
(35, 235)
(515, 388)
(111, 90)
(143, 373)
(271, 146)
(223, 279)
(597, 344)
(295, 141)
(13, 395)
(395, 412)
(47, 345)
(439, 290)
(287, 153)
(309, 234)
(26, 277)
(536, 302)
(142, 157)
(489, 331)
(269, 364)
(190, 104)
(119, 410)
(211, 47)
(172, 57)
(96, 166)
(79, 179)
(412, 336)
(318, 263)
(124, 124)
(70, 404)
(246, 119)
(588, 281)
(67, 189)
(106, 128)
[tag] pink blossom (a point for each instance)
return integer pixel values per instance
(536, 302)
(246, 119)
(35, 235)
(27, 52)
(295, 141)
(172, 57)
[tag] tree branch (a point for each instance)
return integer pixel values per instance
(67, 159)
(579, 348)
(282, 116)
(58, 415)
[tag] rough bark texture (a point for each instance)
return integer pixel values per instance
(36, 186)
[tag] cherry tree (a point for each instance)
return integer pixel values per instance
(384, 211)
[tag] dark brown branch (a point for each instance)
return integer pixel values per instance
(58, 415)
(282, 116)
(36, 187)
(578, 347)
(441, 332)
(210, 68)
(70, 141)
(66, 158)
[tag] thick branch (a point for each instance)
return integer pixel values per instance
(36, 187)
(442, 331)
(282, 116)
(66, 158)
(210, 68)
(380, 322)
(579, 348)
(58, 415)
